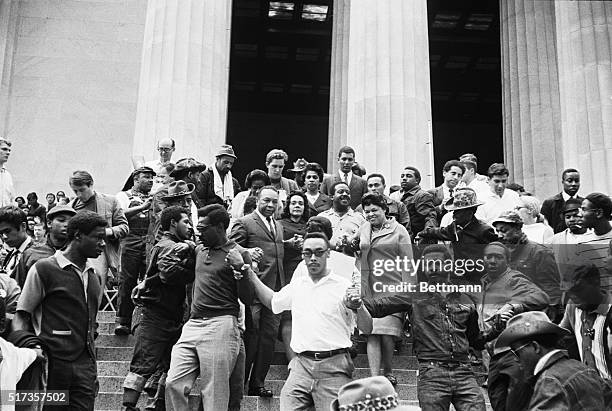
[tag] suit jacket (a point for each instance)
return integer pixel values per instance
(358, 187)
(251, 231)
(108, 207)
(551, 209)
(323, 203)
(438, 199)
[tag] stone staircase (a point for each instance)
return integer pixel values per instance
(115, 352)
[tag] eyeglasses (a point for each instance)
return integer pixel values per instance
(164, 149)
(317, 253)
(515, 352)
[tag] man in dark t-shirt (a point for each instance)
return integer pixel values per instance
(211, 341)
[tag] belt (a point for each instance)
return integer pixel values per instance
(444, 364)
(321, 355)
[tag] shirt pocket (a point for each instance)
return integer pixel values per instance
(61, 332)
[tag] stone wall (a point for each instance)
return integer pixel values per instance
(72, 91)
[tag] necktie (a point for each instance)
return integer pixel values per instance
(270, 225)
(12, 262)
(450, 192)
(346, 178)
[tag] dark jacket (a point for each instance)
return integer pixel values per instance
(172, 267)
(32, 255)
(565, 384)
(420, 208)
(468, 242)
(444, 327)
(205, 189)
(551, 209)
(537, 262)
(323, 203)
(358, 187)
(251, 231)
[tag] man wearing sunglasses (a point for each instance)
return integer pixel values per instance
(559, 383)
(324, 315)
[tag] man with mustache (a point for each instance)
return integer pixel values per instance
(260, 230)
(57, 223)
(160, 299)
(135, 203)
(60, 301)
(345, 221)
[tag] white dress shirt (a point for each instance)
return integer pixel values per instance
(495, 205)
(320, 321)
(7, 190)
(349, 176)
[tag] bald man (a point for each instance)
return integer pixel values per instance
(165, 148)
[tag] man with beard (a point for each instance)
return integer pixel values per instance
(345, 221)
(217, 184)
(418, 201)
(161, 296)
(497, 199)
(452, 172)
(357, 185)
(553, 206)
(445, 326)
(57, 223)
(260, 230)
(60, 301)
(505, 293)
(467, 234)
(534, 260)
(135, 203)
(210, 343)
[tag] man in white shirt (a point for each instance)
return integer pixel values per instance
(471, 178)
(165, 147)
(7, 190)
(324, 308)
(357, 185)
(498, 199)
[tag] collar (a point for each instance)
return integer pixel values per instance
(54, 246)
(413, 190)
(542, 361)
(487, 279)
(350, 212)
(224, 247)
(172, 237)
(566, 196)
(264, 219)
(349, 175)
(63, 262)
(331, 276)
(25, 244)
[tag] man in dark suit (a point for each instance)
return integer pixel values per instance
(452, 171)
(553, 206)
(260, 230)
(357, 185)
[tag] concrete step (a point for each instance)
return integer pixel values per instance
(112, 401)
(277, 372)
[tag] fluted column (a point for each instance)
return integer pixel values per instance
(380, 88)
(184, 77)
(8, 32)
(532, 114)
(584, 46)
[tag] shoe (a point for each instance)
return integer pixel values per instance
(261, 392)
(391, 379)
(121, 329)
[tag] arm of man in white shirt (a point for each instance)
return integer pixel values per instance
(352, 301)
(262, 292)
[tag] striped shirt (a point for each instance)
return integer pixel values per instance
(597, 249)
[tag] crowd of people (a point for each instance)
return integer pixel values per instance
(210, 277)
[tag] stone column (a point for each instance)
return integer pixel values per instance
(8, 32)
(380, 88)
(532, 115)
(184, 77)
(584, 46)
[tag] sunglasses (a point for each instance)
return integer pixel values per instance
(317, 253)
